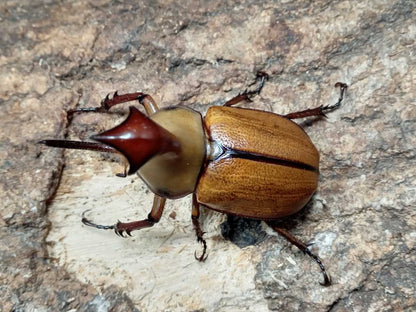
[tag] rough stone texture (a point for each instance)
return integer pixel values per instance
(56, 55)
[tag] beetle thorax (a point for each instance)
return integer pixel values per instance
(175, 175)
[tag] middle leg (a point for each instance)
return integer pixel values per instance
(247, 94)
(198, 231)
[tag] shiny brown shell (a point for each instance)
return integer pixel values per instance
(267, 168)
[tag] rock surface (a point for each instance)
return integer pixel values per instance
(57, 55)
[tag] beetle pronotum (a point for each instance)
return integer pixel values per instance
(245, 162)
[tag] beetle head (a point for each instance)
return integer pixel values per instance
(138, 139)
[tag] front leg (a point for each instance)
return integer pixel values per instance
(144, 99)
(121, 227)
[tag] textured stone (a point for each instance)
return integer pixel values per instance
(56, 55)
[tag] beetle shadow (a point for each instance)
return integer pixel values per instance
(245, 232)
(309, 122)
(242, 232)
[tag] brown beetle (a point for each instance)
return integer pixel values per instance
(243, 162)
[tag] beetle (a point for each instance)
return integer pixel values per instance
(244, 162)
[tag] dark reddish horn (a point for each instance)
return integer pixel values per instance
(139, 138)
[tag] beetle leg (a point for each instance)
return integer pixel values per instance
(293, 240)
(246, 95)
(121, 227)
(198, 231)
(125, 165)
(144, 99)
(321, 110)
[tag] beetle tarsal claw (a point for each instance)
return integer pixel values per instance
(105, 102)
(341, 85)
(263, 75)
(95, 225)
(83, 214)
(204, 255)
(327, 279)
(107, 97)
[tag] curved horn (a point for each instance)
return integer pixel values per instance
(139, 138)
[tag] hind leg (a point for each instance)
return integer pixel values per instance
(302, 246)
(321, 110)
